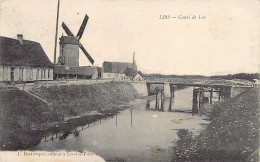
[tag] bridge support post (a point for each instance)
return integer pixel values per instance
(200, 97)
(167, 90)
(162, 96)
(219, 94)
(195, 102)
(211, 96)
(156, 98)
(148, 88)
(172, 97)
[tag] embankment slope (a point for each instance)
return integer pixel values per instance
(77, 99)
(20, 111)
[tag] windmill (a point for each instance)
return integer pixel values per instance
(69, 52)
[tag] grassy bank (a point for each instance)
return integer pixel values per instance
(21, 111)
(232, 134)
(78, 99)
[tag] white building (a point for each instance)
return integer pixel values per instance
(115, 76)
(23, 61)
(138, 77)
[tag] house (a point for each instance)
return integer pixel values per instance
(117, 70)
(23, 61)
(138, 77)
(115, 76)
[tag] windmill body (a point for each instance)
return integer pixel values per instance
(69, 51)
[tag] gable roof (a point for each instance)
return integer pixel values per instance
(117, 67)
(13, 53)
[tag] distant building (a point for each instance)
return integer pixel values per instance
(117, 70)
(118, 67)
(115, 76)
(23, 60)
(138, 77)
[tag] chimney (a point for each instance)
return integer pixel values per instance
(20, 38)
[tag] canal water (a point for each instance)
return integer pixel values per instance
(139, 133)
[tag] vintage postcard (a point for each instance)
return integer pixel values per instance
(137, 81)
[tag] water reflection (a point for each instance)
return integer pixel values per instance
(166, 104)
(132, 132)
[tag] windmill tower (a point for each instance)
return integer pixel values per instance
(69, 46)
(68, 61)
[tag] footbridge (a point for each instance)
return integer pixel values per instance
(200, 90)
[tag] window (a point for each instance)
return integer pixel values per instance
(37, 74)
(44, 74)
(48, 73)
(20, 73)
(31, 76)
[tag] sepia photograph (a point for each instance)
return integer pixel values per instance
(129, 81)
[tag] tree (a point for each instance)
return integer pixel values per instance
(130, 72)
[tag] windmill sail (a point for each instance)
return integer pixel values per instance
(82, 27)
(87, 54)
(66, 29)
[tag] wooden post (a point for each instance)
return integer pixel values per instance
(55, 46)
(195, 102)
(148, 88)
(162, 99)
(211, 96)
(172, 94)
(219, 94)
(156, 98)
(200, 92)
(224, 94)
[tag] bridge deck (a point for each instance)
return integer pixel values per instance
(190, 84)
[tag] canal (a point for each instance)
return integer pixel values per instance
(139, 133)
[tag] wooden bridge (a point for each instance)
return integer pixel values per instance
(222, 90)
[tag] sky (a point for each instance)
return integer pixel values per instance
(226, 41)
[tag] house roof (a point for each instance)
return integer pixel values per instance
(69, 40)
(13, 53)
(117, 67)
(138, 74)
(79, 70)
